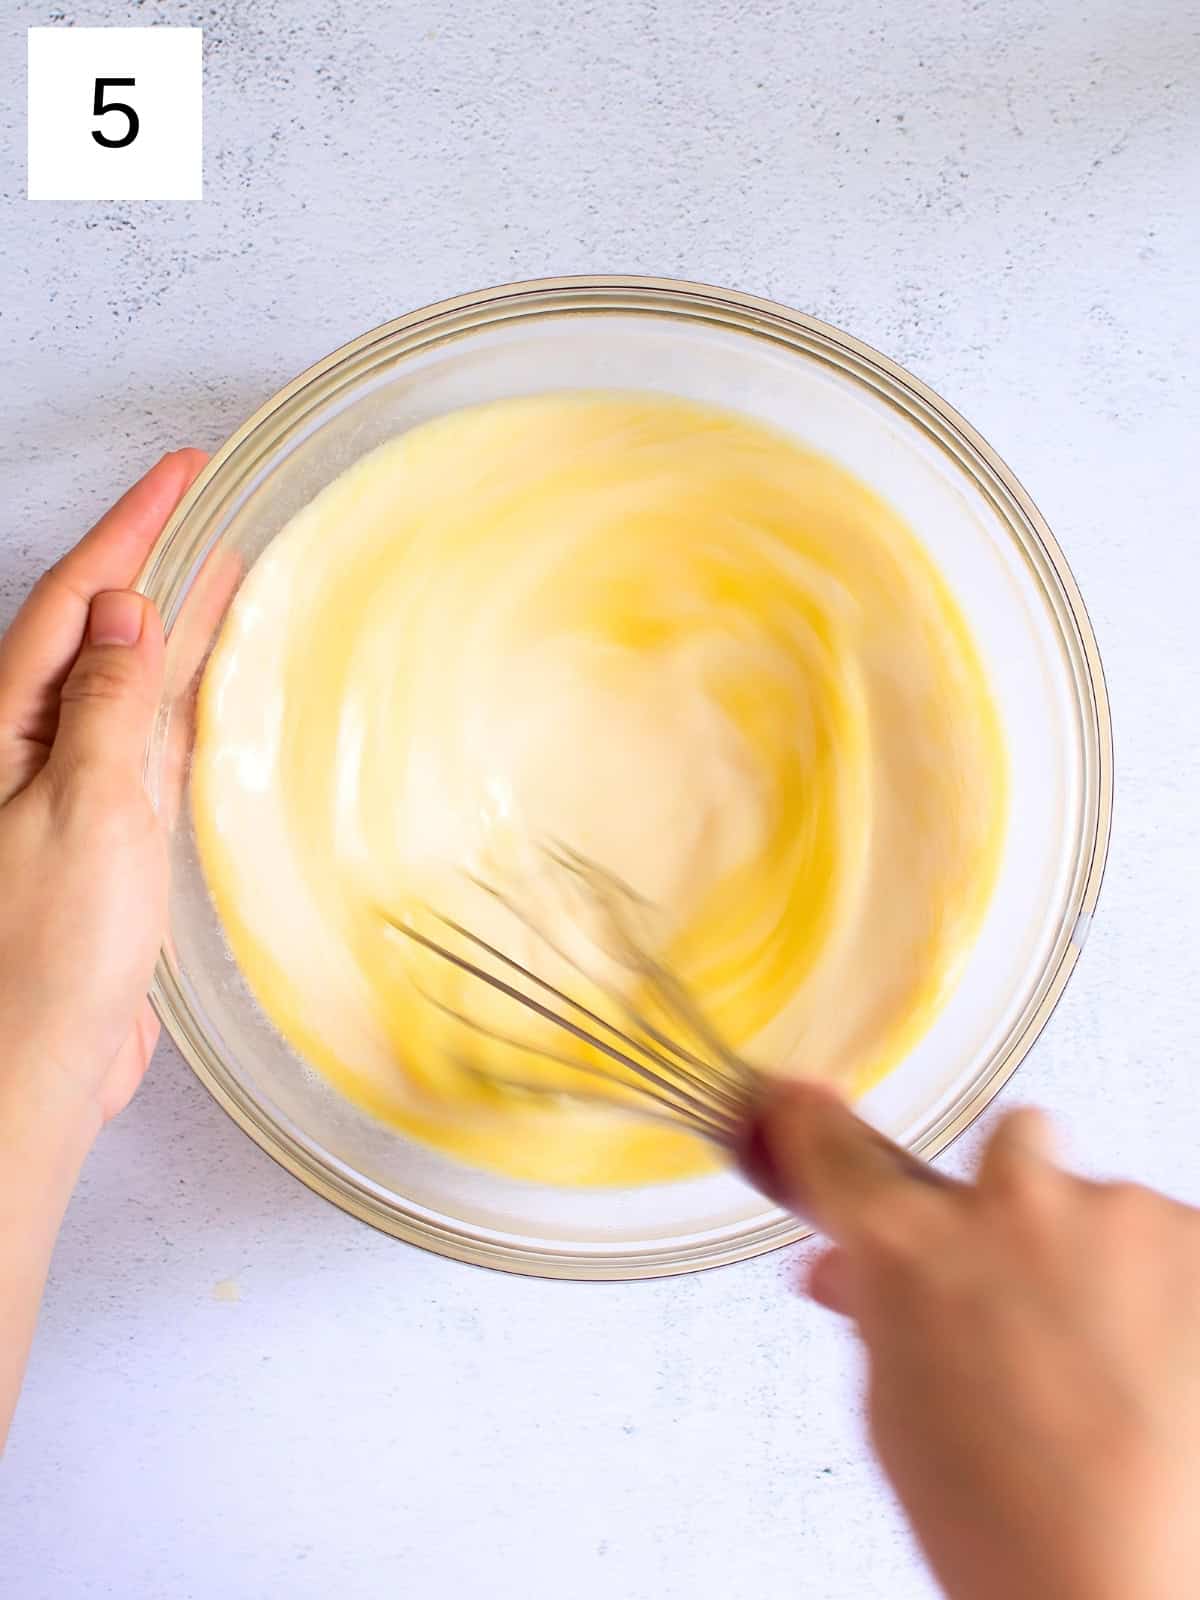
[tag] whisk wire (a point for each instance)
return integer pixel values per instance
(650, 1070)
(676, 1093)
(716, 1078)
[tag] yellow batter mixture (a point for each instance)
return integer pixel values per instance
(663, 635)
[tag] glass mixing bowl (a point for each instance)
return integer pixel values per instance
(837, 396)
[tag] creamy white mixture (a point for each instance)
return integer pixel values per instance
(663, 636)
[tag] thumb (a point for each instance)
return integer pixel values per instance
(808, 1151)
(110, 698)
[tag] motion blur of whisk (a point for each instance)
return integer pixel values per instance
(606, 1022)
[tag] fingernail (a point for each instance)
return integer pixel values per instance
(116, 618)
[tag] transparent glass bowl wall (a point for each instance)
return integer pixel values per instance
(835, 395)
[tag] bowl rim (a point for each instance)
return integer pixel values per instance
(596, 292)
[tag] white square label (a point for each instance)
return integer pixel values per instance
(115, 114)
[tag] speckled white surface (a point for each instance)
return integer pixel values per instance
(238, 1391)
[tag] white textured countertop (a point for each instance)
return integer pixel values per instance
(238, 1391)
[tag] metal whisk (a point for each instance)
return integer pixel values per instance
(637, 1064)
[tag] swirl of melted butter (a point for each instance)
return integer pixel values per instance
(708, 660)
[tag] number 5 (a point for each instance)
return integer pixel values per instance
(99, 109)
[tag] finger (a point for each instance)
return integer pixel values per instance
(196, 627)
(200, 618)
(808, 1151)
(148, 1029)
(831, 1281)
(39, 648)
(1019, 1152)
(110, 698)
